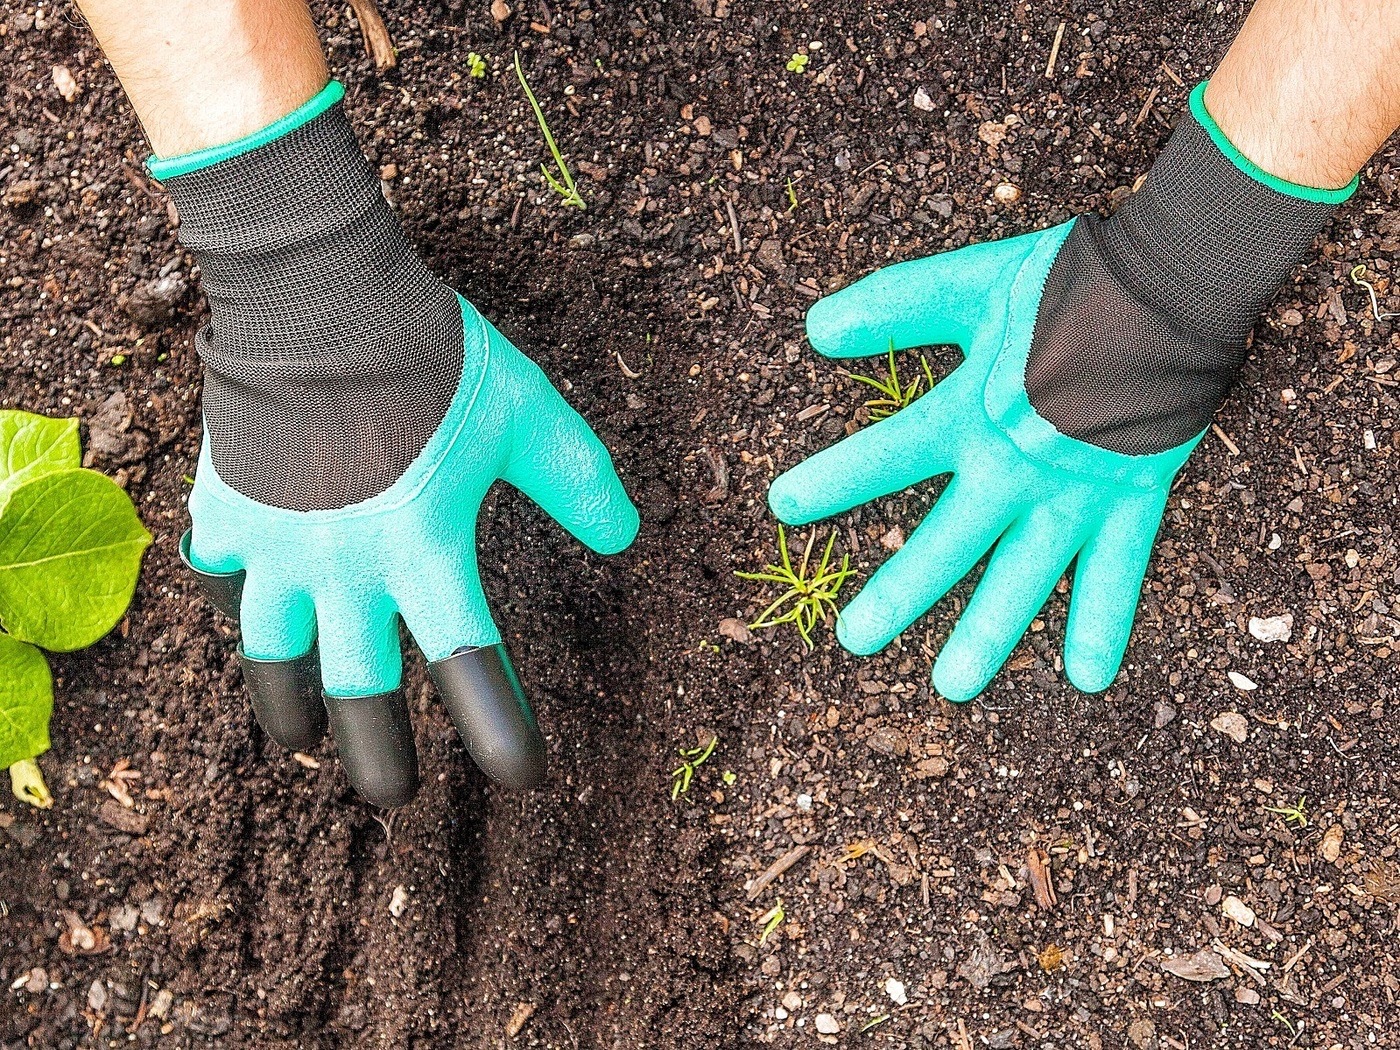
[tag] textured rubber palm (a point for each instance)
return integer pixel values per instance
(342, 579)
(1145, 317)
(1032, 497)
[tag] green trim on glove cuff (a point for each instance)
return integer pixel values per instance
(169, 168)
(1315, 194)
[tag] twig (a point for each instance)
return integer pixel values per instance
(1234, 449)
(1054, 52)
(1147, 106)
(775, 869)
(734, 226)
(377, 40)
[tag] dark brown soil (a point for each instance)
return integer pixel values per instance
(245, 900)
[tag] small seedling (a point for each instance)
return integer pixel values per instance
(476, 65)
(771, 919)
(808, 597)
(692, 758)
(874, 1022)
(729, 777)
(1281, 1019)
(1294, 814)
(70, 551)
(1358, 278)
(791, 196)
(567, 191)
(895, 393)
(797, 63)
(707, 646)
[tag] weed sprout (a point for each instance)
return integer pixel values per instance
(567, 191)
(807, 597)
(895, 394)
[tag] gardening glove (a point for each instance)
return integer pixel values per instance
(1095, 355)
(356, 411)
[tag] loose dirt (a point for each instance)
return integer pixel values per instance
(1023, 871)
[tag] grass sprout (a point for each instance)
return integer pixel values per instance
(791, 195)
(771, 919)
(895, 393)
(567, 191)
(1294, 814)
(874, 1022)
(809, 594)
(692, 758)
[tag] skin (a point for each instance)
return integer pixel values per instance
(206, 72)
(1310, 89)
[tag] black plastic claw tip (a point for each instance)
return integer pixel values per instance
(375, 740)
(223, 589)
(286, 696)
(489, 709)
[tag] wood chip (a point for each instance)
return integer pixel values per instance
(1205, 965)
(1038, 866)
(378, 43)
(115, 815)
(775, 869)
(519, 1019)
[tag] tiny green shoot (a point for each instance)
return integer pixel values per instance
(771, 919)
(692, 758)
(118, 360)
(791, 196)
(808, 597)
(567, 191)
(1281, 1019)
(729, 777)
(1294, 814)
(875, 1021)
(476, 65)
(895, 393)
(797, 63)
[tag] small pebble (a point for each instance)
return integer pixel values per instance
(827, 1025)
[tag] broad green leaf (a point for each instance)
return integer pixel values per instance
(31, 445)
(26, 701)
(70, 551)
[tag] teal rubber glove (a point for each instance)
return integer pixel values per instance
(356, 412)
(1095, 354)
(1039, 498)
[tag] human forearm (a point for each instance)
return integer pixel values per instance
(1310, 89)
(205, 72)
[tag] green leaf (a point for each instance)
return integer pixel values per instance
(26, 701)
(32, 445)
(70, 551)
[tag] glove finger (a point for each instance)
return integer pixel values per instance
(890, 456)
(959, 529)
(940, 299)
(1023, 570)
(560, 464)
(492, 716)
(361, 670)
(1107, 585)
(223, 589)
(280, 666)
(470, 667)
